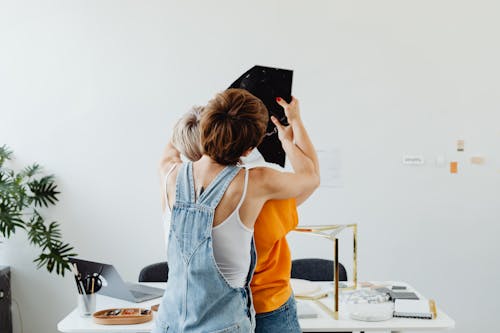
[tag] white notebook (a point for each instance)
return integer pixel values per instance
(410, 308)
(304, 311)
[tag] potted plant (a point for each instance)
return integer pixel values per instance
(22, 194)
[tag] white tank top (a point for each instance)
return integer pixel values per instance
(231, 241)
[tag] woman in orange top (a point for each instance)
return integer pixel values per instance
(272, 294)
(271, 290)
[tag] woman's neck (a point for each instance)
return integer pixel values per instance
(204, 171)
(207, 160)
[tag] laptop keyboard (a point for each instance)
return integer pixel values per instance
(138, 294)
(141, 292)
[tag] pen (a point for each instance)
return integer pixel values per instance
(304, 229)
(75, 272)
(432, 306)
(79, 278)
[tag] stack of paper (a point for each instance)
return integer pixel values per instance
(304, 289)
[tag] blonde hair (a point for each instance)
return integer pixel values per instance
(186, 135)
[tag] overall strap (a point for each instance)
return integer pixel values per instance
(215, 191)
(184, 189)
(167, 207)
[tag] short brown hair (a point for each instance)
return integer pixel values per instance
(233, 122)
(186, 135)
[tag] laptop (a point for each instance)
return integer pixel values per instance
(113, 285)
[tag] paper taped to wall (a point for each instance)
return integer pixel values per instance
(329, 163)
(478, 160)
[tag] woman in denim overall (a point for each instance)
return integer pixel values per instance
(197, 297)
(196, 291)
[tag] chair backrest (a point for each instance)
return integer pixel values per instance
(314, 269)
(154, 273)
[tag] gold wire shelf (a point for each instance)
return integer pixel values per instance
(330, 232)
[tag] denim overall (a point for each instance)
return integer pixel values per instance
(197, 297)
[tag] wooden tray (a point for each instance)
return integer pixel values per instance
(122, 316)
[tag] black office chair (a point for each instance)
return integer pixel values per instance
(154, 273)
(314, 269)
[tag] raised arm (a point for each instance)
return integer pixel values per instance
(301, 139)
(282, 185)
(170, 156)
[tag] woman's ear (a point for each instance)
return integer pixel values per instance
(248, 152)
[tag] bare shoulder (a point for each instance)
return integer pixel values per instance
(259, 179)
(259, 174)
(262, 172)
(170, 169)
(166, 166)
(236, 186)
(169, 157)
(273, 184)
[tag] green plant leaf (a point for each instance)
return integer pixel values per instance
(5, 184)
(31, 170)
(12, 191)
(20, 194)
(5, 154)
(57, 257)
(36, 229)
(10, 219)
(44, 191)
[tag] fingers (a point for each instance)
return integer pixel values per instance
(277, 123)
(284, 133)
(286, 106)
(291, 109)
(282, 102)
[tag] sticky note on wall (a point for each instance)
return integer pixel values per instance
(479, 160)
(454, 167)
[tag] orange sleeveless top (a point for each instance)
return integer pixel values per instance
(271, 280)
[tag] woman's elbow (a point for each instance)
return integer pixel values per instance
(313, 181)
(316, 181)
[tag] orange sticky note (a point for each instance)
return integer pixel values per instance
(454, 167)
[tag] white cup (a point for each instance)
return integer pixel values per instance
(86, 304)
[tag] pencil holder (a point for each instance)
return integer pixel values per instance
(86, 304)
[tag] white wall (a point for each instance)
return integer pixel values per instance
(90, 90)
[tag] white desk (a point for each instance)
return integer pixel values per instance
(73, 323)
